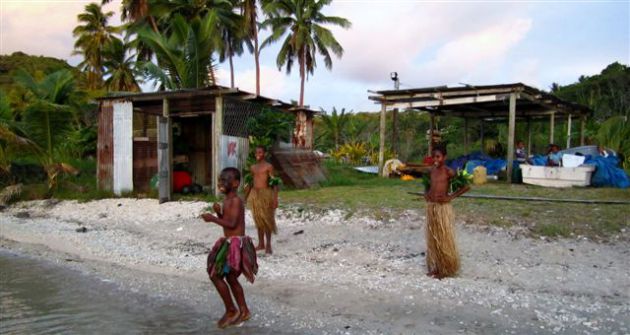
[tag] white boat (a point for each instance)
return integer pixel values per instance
(555, 176)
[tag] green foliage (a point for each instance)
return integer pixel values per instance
(607, 94)
(120, 67)
(185, 56)
(335, 125)
(93, 36)
(614, 133)
(352, 153)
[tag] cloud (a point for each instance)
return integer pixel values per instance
(398, 35)
(473, 56)
(42, 27)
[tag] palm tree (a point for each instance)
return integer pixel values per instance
(120, 68)
(93, 35)
(335, 124)
(185, 57)
(136, 11)
(49, 114)
(250, 17)
(302, 21)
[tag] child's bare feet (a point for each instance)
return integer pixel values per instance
(245, 315)
(229, 318)
(260, 247)
(268, 250)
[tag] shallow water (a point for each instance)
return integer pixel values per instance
(38, 297)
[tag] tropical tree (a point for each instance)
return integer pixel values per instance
(49, 116)
(335, 125)
(120, 67)
(185, 57)
(250, 25)
(93, 35)
(136, 12)
(303, 23)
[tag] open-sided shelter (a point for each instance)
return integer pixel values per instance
(492, 103)
(142, 135)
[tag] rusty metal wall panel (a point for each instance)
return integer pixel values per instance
(144, 163)
(123, 147)
(105, 146)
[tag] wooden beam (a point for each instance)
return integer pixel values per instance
(552, 119)
(381, 148)
(511, 128)
(582, 128)
(569, 131)
(165, 154)
(446, 102)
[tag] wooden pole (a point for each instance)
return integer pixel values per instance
(483, 149)
(569, 131)
(511, 128)
(529, 137)
(431, 127)
(217, 131)
(552, 120)
(466, 136)
(395, 130)
(582, 127)
(381, 148)
(165, 154)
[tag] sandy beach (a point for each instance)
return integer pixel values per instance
(336, 273)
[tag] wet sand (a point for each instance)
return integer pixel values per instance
(334, 274)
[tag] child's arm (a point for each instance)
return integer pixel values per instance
(231, 209)
(275, 188)
(459, 192)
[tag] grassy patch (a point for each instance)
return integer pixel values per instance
(382, 198)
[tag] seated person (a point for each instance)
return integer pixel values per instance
(520, 153)
(554, 157)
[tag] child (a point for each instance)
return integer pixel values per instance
(442, 255)
(521, 154)
(264, 200)
(553, 155)
(232, 254)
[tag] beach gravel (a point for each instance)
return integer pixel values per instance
(335, 273)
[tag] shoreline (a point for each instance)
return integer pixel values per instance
(332, 275)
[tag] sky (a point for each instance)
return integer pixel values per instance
(428, 43)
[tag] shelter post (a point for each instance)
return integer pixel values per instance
(529, 136)
(511, 127)
(568, 131)
(466, 136)
(582, 126)
(481, 136)
(165, 153)
(381, 148)
(395, 130)
(431, 127)
(552, 120)
(217, 131)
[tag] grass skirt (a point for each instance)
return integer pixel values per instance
(261, 203)
(442, 254)
(235, 253)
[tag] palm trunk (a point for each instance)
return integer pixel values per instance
(256, 56)
(231, 65)
(153, 24)
(302, 76)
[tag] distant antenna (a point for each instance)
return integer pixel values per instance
(394, 77)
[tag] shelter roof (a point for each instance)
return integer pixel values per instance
(199, 100)
(482, 102)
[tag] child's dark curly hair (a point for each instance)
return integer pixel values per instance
(441, 147)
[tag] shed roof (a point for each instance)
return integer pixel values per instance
(196, 101)
(482, 102)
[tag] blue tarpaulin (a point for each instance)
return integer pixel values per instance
(471, 161)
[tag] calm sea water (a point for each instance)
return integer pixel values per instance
(38, 297)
